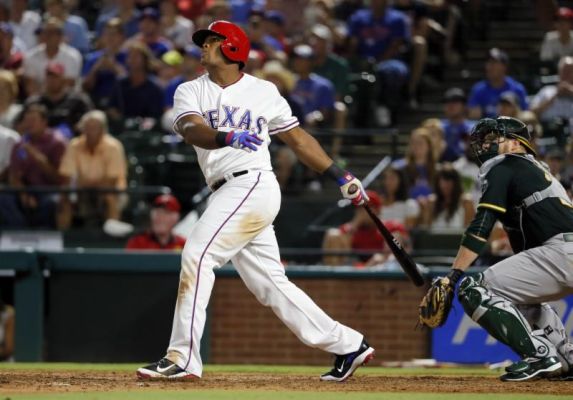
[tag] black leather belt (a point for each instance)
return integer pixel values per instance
(215, 186)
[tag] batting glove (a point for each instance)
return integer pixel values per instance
(243, 140)
(352, 189)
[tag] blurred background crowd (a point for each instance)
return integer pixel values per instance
(86, 96)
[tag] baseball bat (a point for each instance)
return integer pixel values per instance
(403, 258)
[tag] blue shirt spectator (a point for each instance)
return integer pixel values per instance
(376, 34)
(315, 92)
(106, 77)
(455, 135)
(486, 97)
(144, 100)
(75, 28)
(241, 9)
(130, 26)
(485, 94)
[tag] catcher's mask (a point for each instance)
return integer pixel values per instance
(488, 133)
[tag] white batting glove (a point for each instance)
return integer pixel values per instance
(352, 189)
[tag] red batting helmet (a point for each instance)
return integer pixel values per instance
(235, 45)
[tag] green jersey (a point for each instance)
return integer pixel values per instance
(532, 205)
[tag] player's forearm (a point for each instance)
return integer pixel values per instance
(310, 152)
(464, 258)
(199, 135)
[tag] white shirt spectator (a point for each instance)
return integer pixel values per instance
(180, 32)
(8, 138)
(552, 49)
(8, 117)
(26, 29)
(561, 107)
(36, 60)
(400, 210)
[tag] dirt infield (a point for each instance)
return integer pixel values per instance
(29, 382)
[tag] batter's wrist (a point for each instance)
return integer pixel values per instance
(221, 138)
(335, 172)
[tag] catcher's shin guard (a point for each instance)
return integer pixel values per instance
(502, 319)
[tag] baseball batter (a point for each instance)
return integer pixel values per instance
(509, 298)
(229, 117)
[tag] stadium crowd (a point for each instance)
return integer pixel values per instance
(74, 78)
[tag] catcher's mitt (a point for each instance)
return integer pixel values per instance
(437, 302)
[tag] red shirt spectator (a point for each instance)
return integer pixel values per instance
(164, 216)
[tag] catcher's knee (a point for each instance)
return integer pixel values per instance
(473, 294)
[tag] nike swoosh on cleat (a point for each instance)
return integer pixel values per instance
(162, 370)
(341, 367)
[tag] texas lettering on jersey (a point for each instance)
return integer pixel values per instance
(234, 117)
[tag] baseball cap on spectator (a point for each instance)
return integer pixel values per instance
(149, 12)
(275, 68)
(555, 154)
(455, 94)
(322, 31)
(498, 55)
(275, 16)
(167, 202)
(303, 51)
(55, 68)
(509, 98)
(6, 28)
(375, 200)
(172, 58)
(564, 13)
(192, 51)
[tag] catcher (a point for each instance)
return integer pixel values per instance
(509, 299)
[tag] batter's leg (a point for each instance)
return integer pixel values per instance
(258, 264)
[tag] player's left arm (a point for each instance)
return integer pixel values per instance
(311, 154)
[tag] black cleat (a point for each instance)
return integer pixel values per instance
(532, 369)
(345, 365)
(163, 369)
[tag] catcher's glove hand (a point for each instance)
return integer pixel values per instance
(437, 302)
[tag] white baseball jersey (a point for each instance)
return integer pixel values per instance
(249, 104)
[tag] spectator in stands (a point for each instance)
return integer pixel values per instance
(7, 329)
(137, 95)
(326, 63)
(24, 22)
(103, 68)
(75, 27)
(150, 33)
(455, 124)
(175, 27)
(260, 40)
(93, 160)
(448, 207)
(359, 234)
(8, 139)
(436, 131)
(169, 67)
(9, 109)
(555, 160)
(419, 164)
(241, 10)
(379, 34)
(65, 105)
(11, 53)
(127, 13)
(397, 206)
(485, 94)
(555, 102)
(285, 160)
(164, 216)
(53, 49)
(317, 93)
(34, 162)
(508, 105)
(559, 43)
(191, 68)
(274, 25)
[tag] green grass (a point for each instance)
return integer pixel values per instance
(240, 395)
(258, 369)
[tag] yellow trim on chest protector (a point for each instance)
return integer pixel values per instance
(492, 206)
